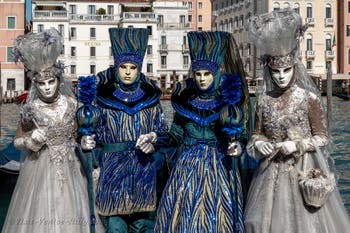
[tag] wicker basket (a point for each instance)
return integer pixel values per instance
(316, 187)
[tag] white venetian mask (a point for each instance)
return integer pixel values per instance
(127, 73)
(282, 76)
(204, 79)
(47, 88)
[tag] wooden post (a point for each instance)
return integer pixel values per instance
(329, 99)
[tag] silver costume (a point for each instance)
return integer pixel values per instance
(51, 191)
(275, 203)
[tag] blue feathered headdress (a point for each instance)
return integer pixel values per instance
(207, 49)
(128, 45)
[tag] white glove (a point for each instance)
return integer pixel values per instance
(287, 147)
(146, 139)
(234, 149)
(88, 142)
(36, 140)
(147, 148)
(265, 148)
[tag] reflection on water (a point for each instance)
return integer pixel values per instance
(340, 135)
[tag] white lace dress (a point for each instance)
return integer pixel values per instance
(51, 192)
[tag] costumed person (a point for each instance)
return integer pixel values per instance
(129, 106)
(51, 190)
(204, 192)
(293, 189)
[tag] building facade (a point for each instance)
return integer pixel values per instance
(12, 23)
(343, 38)
(84, 25)
(318, 46)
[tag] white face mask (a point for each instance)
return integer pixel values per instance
(282, 76)
(127, 72)
(204, 78)
(47, 88)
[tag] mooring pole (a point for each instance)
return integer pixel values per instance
(329, 98)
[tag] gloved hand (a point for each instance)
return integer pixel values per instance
(287, 147)
(147, 148)
(265, 148)
(234, 149)
(88, 142)
(146, 139)
(36, 140)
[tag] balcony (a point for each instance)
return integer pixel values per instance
(163, 48)
(329, 54)
(47, 15)
(95, 18)
(310, 54)
(310, 21)
(139, 16)
(329, 22)
(174, 26)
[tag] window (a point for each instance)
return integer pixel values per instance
(163, 40)
(73, 69)
(297, 8)
(182, 19)
(92, 51)
(184, 40)
(110, 10)
(241, 21)
(328, 12)
(309, 65)
(328, 43)
(348, 6)
(11, 22)
(73, 32)
(190, 5)
(200, 18)
(190, 18)
(163, 61)
(149, 67)
(11, 84)
(40, 27)
(200, 5)
(72, 9)
(161, 19)
(92, 69)
(9, 57)
(200, 28)
(149, 49)
(62, 51)
(92, 33)
(149, 28)
(347, 30)
(91, 9)
(348, 56)
(309, 44)
(328, 65)
(185, 60)
(73, 51)
(276, 6)
(309, 11)
(61, 29)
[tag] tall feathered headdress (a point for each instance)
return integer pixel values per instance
(128, 45)
(207, 50)
(277, 36)
(39, 51)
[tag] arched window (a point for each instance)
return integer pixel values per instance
(309, 42)
(328, 42)
(286, 5)
(276, 6)
(309, 10)
(297, 8)
(328, 11)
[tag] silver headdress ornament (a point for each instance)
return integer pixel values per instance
(39, 52)
(277, 36)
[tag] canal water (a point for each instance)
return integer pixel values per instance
(340, 135)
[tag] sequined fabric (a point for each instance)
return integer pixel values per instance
(275, 203)
(51, 191)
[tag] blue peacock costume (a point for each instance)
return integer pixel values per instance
(204, 192)
(126, 188)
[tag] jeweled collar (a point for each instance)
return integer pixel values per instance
(129, 96)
